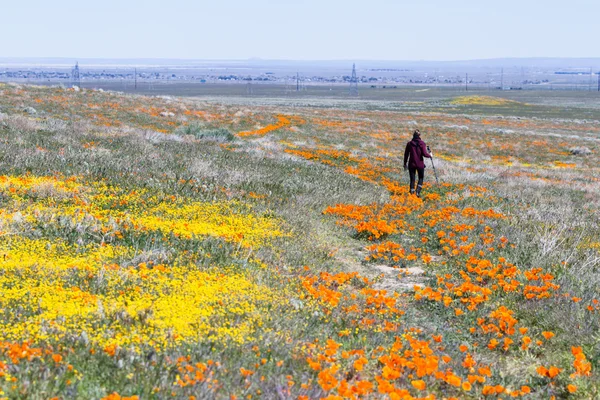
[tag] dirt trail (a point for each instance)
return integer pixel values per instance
(399, 279)
(390, 279)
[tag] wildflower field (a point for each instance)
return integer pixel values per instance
(160, 247)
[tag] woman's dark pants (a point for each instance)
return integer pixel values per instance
(412, 172)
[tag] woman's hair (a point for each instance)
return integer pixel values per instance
(416, 134)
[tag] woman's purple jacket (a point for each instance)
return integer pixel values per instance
(416, 149)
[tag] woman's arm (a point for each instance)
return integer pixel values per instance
(424, 150)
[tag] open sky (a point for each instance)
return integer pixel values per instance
(300, 30)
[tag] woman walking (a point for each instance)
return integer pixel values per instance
(415, 150)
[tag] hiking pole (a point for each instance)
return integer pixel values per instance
(433, 165)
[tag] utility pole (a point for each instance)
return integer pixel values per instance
(502, 79)
(297, 81)
(354, 82)
(135, 79)
(591, 78)
(466, 82)
(598, 73)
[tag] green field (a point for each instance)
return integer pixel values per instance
(426, 96)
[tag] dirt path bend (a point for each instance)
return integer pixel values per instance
(388, 278)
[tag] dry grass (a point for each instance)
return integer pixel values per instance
(524, 198)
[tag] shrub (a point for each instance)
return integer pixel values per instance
(203, 133)
(580, 151)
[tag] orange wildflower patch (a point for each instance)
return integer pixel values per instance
(582, 366)
(282, 122)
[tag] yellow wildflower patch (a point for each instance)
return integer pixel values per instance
(65, 295)
(214, 219)
(107, 206)
(483, 101)
(55, 287)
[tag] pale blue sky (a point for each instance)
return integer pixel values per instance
(300, 30)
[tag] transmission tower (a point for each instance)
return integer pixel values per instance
(353, 82)
(75, 77)
(249, 89)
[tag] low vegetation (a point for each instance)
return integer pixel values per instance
(156, 247)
